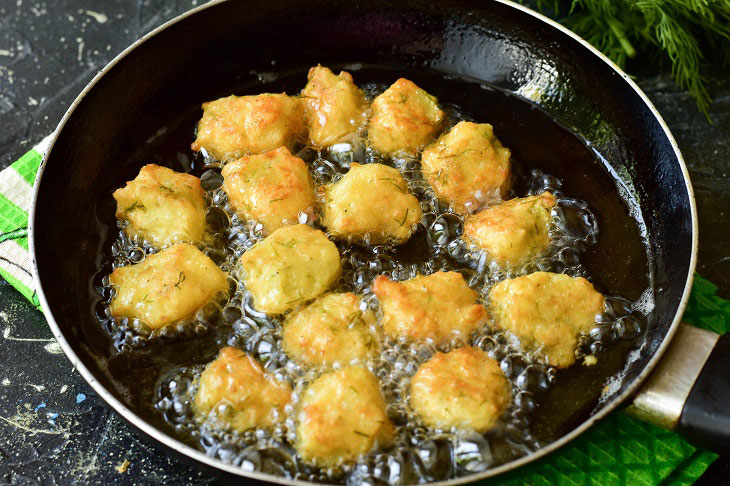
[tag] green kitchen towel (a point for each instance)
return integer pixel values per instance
(16, 193)
(618, 450)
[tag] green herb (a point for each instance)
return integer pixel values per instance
(403, 221)
(180, 279)
(391, 181)
(361, 433)
(135, 205)
(289, 244)
(276, 200)
(692, 34)
(166, 189)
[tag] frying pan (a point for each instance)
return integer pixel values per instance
(495, 46)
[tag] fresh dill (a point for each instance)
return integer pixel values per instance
(289, 244)
(403, 221)
(180, 279)
(392, 182)
(133, 206)
(692, 34)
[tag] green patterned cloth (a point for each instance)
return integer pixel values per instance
(16, 193)
(619, 450)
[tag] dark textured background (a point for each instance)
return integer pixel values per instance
(53, 428)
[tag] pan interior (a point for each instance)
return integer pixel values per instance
(553, 104)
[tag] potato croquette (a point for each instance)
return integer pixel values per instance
(166, 287)
(512, 232)
(467, 167)
(404, 119)
(240, 125)
(342, 415)
(434, 307)
(546, 311)
(464, 388)
(332, 329)
(290, 266)
(272, 188)
(333, 106)
(235, 393)
(371, 202)
(162, 206)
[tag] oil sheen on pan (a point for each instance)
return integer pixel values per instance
(373, 280)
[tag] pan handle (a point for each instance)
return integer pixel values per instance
(689, 391)
(705, 417)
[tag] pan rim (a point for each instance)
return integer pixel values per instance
(172, 443)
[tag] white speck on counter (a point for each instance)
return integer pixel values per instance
(53, 348)
(5, 52)
(6, 382)
(63, 389)
(32, 101)
(81, 48)
(99, 17)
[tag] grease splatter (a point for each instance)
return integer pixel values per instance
(99, 17)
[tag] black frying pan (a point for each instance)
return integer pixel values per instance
(488, 55)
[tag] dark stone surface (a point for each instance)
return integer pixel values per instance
(53, 428)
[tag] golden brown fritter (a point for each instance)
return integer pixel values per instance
(546, 311)
(162, 207)
(342, 416)
(404, 119)
(513, 232)
(467, 167)
(272, 188)
(333, 106)
(464, 388)
(434, 307)
(332, 329)
(240, 125)
(371, 202)
(235, 393)
(166, 287)
(292, 265)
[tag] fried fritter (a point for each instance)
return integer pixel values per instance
(546, 311)
(404, 119)
(272, 188)
(166, 287)
(235, 393)
(292, 265)
(332, 329)
(467, 167)
(434, 307)
(162, 206)
(371, 202)
(240, 125)
(333, 106)
(464, 388)
(342, 416)
(512, 232)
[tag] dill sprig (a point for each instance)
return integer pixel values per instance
(692, 34)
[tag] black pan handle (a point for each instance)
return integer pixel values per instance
(689, 391)
(705, 418)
